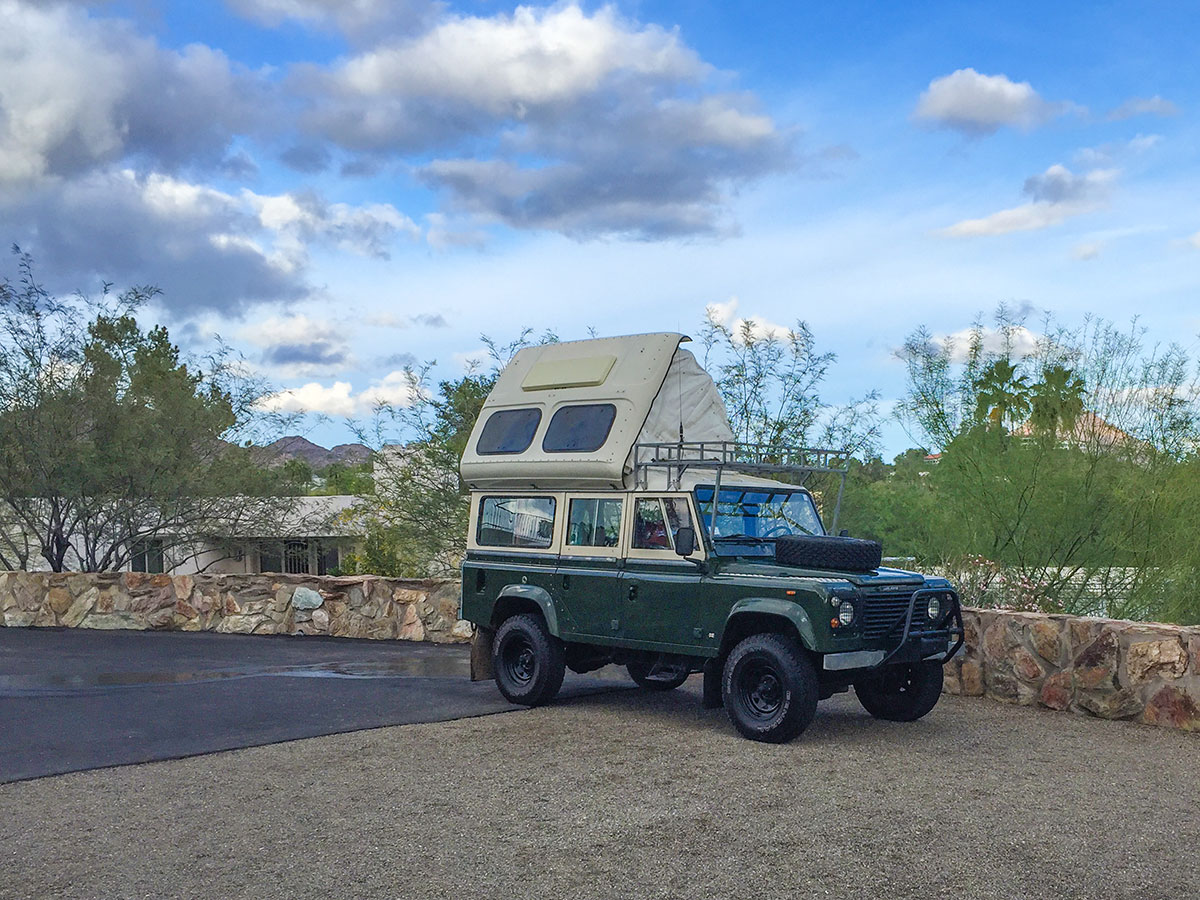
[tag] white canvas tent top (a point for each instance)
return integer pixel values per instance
(569, 415)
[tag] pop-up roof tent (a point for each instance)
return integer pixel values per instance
(569, 415)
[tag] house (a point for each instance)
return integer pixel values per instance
(311, 537)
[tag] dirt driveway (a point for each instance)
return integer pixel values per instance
(629, 795)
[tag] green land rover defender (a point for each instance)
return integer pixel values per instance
(614, 519)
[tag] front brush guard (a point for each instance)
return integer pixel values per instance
(952, 619)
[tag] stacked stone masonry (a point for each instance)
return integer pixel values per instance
(354, 606)
(1106, 668)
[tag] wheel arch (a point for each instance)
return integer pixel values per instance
(522, 598)
(755, 615)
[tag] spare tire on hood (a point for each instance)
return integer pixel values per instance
(823, 551)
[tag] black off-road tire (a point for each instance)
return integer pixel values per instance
(528, 660)
(823, 551)
(901, 693)
(769, 688)
(640, 672)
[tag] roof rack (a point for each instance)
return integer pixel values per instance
(676, 457)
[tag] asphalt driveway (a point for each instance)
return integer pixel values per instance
(72, 700)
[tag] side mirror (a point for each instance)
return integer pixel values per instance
(685, 541)
(843, 533)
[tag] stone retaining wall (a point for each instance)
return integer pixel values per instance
(1107, 668)
(359, 606)
(1099, 667)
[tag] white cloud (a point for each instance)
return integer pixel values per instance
(977, 104)
(1058, 194)
(336, 399)
(508, 63)
(581, 122)
(340, 399)
(1194, 240)
(758, 328)
(1018, 342)
(1105, 154)
(77, 91)
(472, 360)
(1143, 106)
(1087, 250)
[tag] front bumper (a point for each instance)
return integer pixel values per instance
(914, 645)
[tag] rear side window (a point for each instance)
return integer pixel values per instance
(508, 431)
(594, 523)
(516, 522)
(579, 429)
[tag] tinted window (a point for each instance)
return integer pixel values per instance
(508, 431)
(594, 523)
(579, 429)
(516, 521)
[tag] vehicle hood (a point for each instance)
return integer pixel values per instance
(768, 568)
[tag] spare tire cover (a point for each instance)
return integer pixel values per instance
(823, 551)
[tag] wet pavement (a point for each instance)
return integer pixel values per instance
(72, 700)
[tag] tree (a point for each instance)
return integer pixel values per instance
(771, 382)
(1056, 402)
(1068, 465)
(415, 522)
(109, 439)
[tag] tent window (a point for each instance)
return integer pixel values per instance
(579, 429)
(508, 431)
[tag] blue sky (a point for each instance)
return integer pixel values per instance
(338, 188)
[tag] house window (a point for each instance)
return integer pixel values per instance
(516, 522)
(508, 431)
(270, 557)
(147, 556)
(300, 557)
(579, 429)
(295, 557)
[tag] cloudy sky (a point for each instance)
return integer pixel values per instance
(341, 187)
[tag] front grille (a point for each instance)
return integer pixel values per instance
(881, 612)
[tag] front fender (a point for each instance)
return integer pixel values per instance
(784, 609)
(539, 596)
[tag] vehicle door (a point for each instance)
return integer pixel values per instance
(589, 565)
(660, 587)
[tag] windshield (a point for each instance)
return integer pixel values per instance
(749, 519)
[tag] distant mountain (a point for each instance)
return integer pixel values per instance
(318, 457)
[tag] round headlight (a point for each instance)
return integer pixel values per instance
(846, 612)
(935, 606)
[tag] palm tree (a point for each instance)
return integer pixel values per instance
(1057, 402)
(1001, 395)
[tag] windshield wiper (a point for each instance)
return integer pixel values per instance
(745, 539)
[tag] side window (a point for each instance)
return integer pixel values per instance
(594, 523)
(508, 431)
(516, 522)
(650, 526)
(679, 515)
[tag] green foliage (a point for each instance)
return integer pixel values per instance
(108, 436)
(1066, 473)
(416, 520)
(770, 381)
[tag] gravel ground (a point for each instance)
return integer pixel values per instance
(631, 795)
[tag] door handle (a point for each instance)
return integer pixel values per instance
(633, 592)
(566, 582)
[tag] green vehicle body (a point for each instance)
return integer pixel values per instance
(694, 609)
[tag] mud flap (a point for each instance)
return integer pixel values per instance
(481, 654)
(712, 684)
